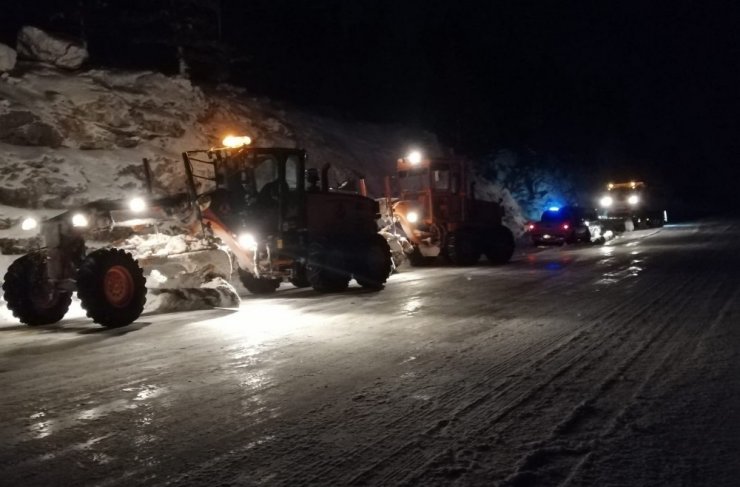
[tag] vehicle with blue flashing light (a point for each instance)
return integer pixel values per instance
(630, 205)
(567, 224)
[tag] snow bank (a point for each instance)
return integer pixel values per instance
(35, 44)
(7, 58)
(217, 293)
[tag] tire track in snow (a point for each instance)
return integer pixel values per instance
(521, 410)
(573, 440)
(417, 446)
(301, 463)
(676, 350)
(676, 297)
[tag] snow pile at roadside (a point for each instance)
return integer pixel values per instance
(183, 272)
(216, 293)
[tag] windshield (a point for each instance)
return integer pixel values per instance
(414, 180)
(554, 216)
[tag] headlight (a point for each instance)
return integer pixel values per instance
(412, 217)
(633, 199)
(606, 201)
(29, 223)
(79, 220)
(414, 157)
(247, 241)
(137, 205)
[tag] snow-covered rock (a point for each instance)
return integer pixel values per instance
(7, 58)
(35, 44)
(22, 127)
(98, 125)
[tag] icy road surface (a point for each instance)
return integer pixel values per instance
(607, 365)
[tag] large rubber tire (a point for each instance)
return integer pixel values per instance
(24, 287)
(499, 245)
(462, 248)
(373, 263)
(326, 268)
(300, 279)
(111, 287)
(258, 285)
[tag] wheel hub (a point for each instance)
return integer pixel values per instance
(118, 286)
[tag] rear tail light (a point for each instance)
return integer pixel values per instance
(530, 226)
(565, 226)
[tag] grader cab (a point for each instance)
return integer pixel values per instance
(281, 225)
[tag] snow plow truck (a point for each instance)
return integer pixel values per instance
(435, 208)
(631, 205)
(254, 205)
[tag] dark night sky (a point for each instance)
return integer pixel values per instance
(621, 87)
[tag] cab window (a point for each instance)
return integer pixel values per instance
(291, 172)
(265, 171)
(441, 179)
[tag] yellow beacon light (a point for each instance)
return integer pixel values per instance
(236, 141)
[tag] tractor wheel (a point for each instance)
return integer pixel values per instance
(326, 268)
(111, 287)
(258, 285)
(28, 293)
(500, 245)
(299, 278)
(374, 264)
(462, 248)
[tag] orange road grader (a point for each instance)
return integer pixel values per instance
(269, 217)
(435, 208)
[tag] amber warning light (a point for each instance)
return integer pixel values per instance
(235, 141)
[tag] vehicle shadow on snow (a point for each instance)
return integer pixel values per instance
(79, 326)
(87, 334)
(309, 293)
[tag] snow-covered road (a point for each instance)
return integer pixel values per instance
(606, 365)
